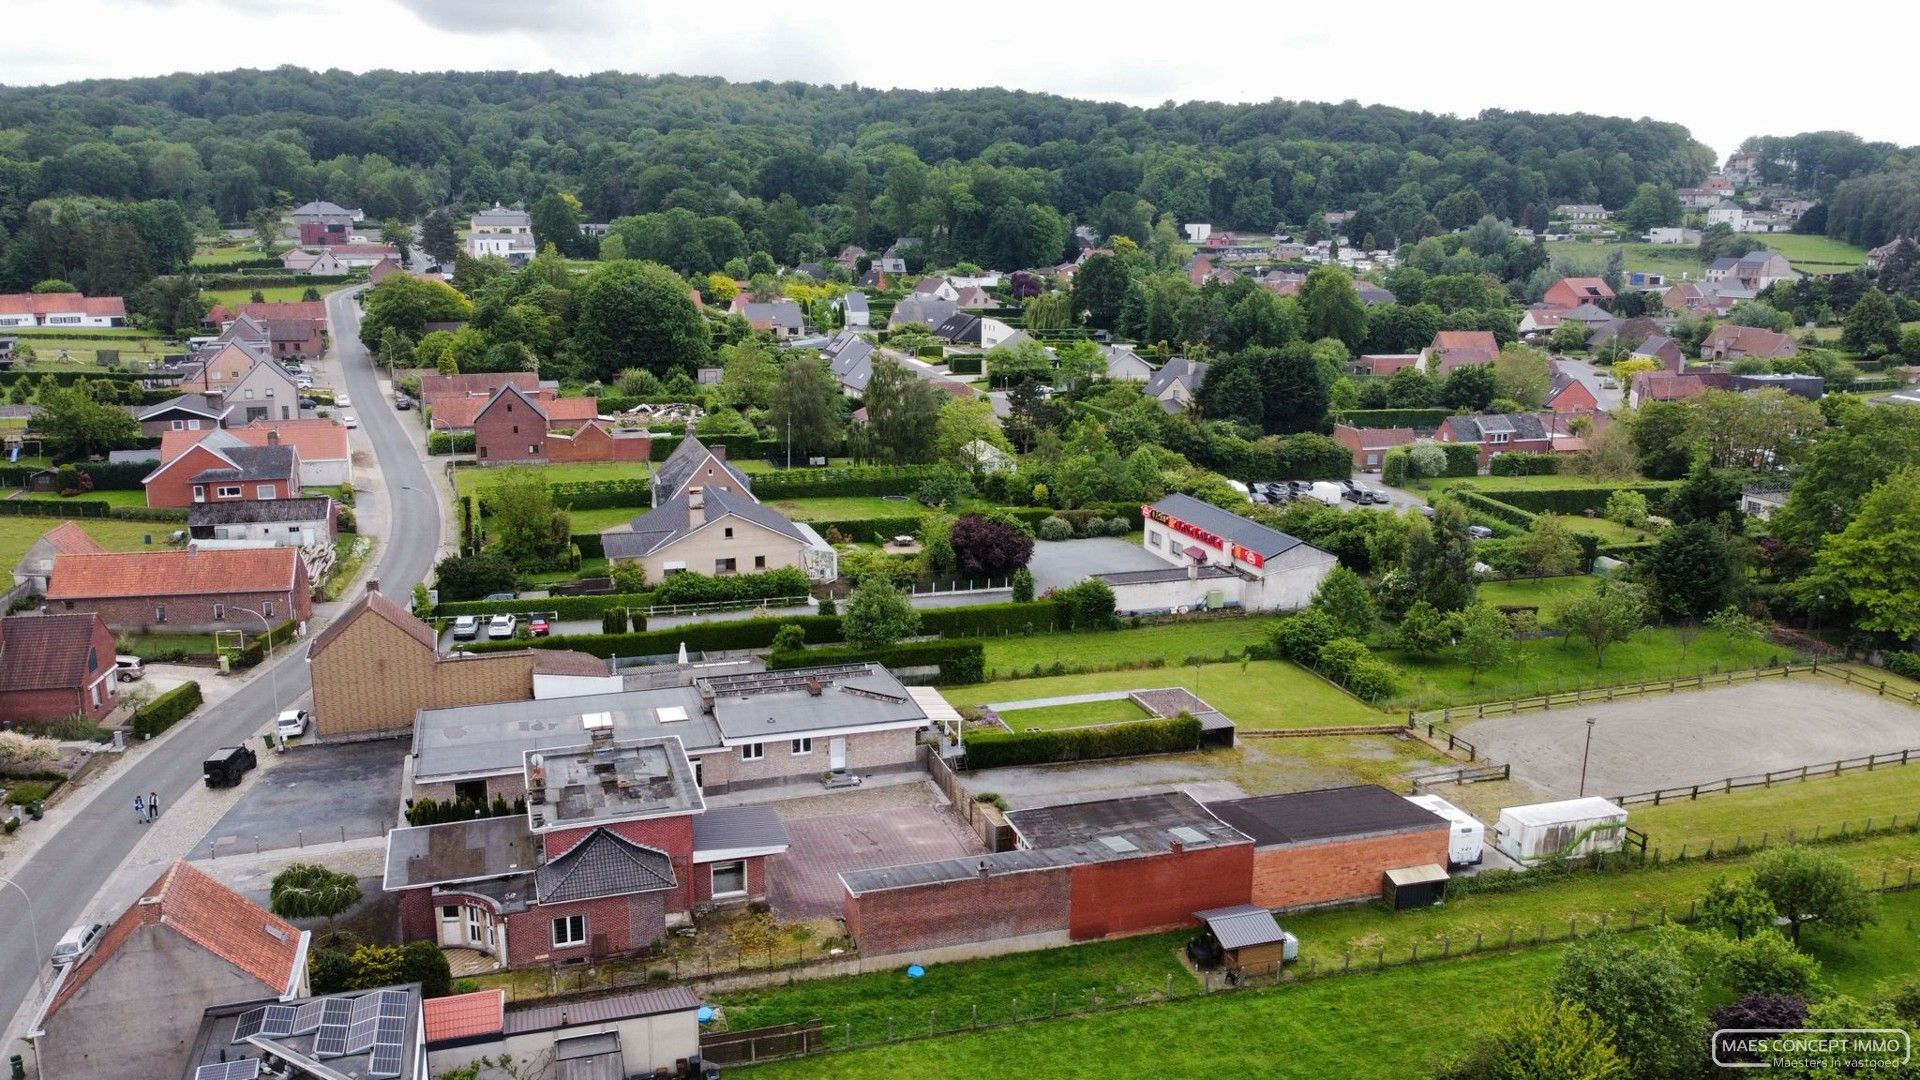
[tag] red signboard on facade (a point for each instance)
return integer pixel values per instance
(1237, 552)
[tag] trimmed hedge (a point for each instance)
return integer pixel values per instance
(1417, 419)
(562, 607)
(256, 650)
(963, 661)
(599, 494)
(1626, 552)
(841, 483)
(995, 749)
(871, 530)
(965, 363)
(1524, 464)
(591, 545)
(69, 377)
(992, 620)
(729, 634)
(115, 475)
(1512, 515)
(1577, 501)
(701, 589)
(449, 442)
(1463, 459)
(166, 710)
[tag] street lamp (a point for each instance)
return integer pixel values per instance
(1584, 754)
(273, 677)
(33, 926)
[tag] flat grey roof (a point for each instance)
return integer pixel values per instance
(780, 703)
(737, 828)
(609, 781)
(1144, 824)
(460, 851)
(1330, 813)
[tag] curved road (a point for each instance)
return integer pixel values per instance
(70, 868)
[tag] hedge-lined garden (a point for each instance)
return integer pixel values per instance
(562, 607)
(166, 710)
(998, 749)
(709, 636)
(959, 662)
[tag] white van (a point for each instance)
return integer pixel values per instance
(1326, 491)
(1466, 836)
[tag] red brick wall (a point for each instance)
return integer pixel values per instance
(701, 880)
(630, 923)
(594, 444)
(956, 913)
(501, 436)
(1574, 398)
(174, 487)
(194, 614)
(1296, 875)
(1157, 892)
(417, 915)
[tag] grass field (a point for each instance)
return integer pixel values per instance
(1119, 711)
(1543, 593)
(111, 498)
(1828, 802)
(1546, 665)
(1493, 485)
(1266, 694)
(1809, 254)
(273, 294)
(84, 352)
(1173, 642)
(1347, 1027)
(17, 534)
(1817, 254)
(471, 480)
(217, 257)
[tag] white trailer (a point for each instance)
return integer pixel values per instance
(1466, 836)
(1542, 832)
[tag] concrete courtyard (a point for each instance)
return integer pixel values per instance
(1060, 563)
(900, 823)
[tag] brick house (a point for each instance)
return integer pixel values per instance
(1663, 386)
(71, 311)
(1571, 292)
(1370, 445)
(1729, 342)
(1382, 365)
(322, 223)
(1082, 871)
(1497, 433)
(188, 943)
(1662, 350)
(1459, 348)
(518, 427)
(693, 464)
(616, 844)
(220, 466)
(250, 386)
(325, 455)
(188, 412)
(1333, 845)
(296, 329)
(1567, 395)
(184, 591)
(56, 666)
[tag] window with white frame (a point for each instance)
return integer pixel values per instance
(266, 608)
(264, 491)
(179, 425)
(753, 751)
(569, 930)
(199, 493)
(802, 746)
(193, 425)
(729, 879)
(219, 613)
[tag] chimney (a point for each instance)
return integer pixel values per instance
(1193, 571)
(696, 506)
(719, 450)
(983, 868)
(813, 686)
(273, 437)
(1175, 847)
(373, 586)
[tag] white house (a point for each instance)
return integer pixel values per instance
(501, 232)
(854, 305)
(1197, 231)
(1216, 558)
(1581, 212)
(62, 309)
(1673, 235)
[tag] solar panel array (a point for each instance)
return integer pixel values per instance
(273, 1021)
(247, 1069)
(375, 1022)
(331, 1041)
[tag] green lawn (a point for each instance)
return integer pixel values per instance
(157, 647)
(273, 294)
(1103, 650)
(17, 534)
(471, 480)
(1266, 694)
(1118, 711)
(854, 508)
(83, 353)
(215, 257)
(1543, 593)
(1817, 254)
(1672, 260)
(1491, 485)
(1883, 953)
(111, 498)
(1547, 665)
(1827, 802)
(606, 517)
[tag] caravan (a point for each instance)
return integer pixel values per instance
(1466, 836)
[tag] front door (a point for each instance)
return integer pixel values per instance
(479, 929)
(452, 925)
(837, 753)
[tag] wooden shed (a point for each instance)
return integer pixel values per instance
(1414, 886)
(1246, 938)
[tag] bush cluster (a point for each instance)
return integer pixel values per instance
(449, 442)
(166, 710)
(958, 662)
(701, 589)
(997, 749)
(1524, 465)
(562, 607)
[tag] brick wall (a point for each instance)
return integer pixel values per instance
(701, 877)
(505, 431)
(374, 676)
(957, 913)
(1157, 892)
(630, 923)
(1296, 875)
(194, 614)
(724, 770)
(592, 443)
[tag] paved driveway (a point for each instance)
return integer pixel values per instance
(1058, 564)
(320, 794)
(806, 879)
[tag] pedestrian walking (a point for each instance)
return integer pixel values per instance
(153, 805)
(139, 810)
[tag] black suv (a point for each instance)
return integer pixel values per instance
(227, 765)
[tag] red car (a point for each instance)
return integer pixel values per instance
(539, 628)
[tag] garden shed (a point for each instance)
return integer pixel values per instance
(1414, 886)
(1246, 937)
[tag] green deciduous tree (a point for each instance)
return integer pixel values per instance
(637, 314)
(1440, 558)
(1872, 321)
(1862, 447)
(1694, 572)
(1424, 630)
(527, 528)
(806, 407)
(1647, 995)
(1520, 374)
(1809, 886)
(399, 235)
(1875, 560)
(1332, 307)
(1549, 547)
(1486, 638)
(408, 304)
(903, 413)
(1099, 288)
(1665, 433)
(79, 426)
(310, 891)
(1613, 612)
(438, 237)
(1556, 1040)
(748, 374)
(1345, 599)
(878, 615)
(1735, 908)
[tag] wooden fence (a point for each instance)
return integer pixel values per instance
(762, 1044)
(1730, 784)
(1611, 693)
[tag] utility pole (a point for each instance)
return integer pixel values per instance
(1584, 755)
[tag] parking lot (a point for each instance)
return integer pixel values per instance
(900, 823)
(319, 794)
(1696, 737)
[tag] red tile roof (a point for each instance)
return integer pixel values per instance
(314, 311)
(208, 914)
(188, 572)
(1666, 386)
(47, 652)
(571, 409)
(386, 608)
(316, 440)
(61, 303)
(464, 1016)
(457, 411)
(68, 538)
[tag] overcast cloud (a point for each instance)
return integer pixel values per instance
(1764, 68)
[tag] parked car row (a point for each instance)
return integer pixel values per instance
(499, 627)
(1329, 492)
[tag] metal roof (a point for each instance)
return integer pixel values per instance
(1145, 821)
(737, 828)
(1424, 874)
(604, 1010)
(1326, 814)
(1241, 925)
(859, 882)
(485, 740)
(1243, 531)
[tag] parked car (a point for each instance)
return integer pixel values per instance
(538, 627)
(309, 403)
(501, 627)
(342, 400)
(402, 402)
(129, 668)
(77, 944)
(350, 420)
(500, 596)
(225, 766)
(1479, 532)
(466, 628)
(292, 724)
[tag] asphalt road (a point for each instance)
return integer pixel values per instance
(66, 873)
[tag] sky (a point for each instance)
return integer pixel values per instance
(1725, 76)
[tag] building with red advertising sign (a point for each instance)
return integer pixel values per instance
(1216, 558)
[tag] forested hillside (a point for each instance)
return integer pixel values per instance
(988, 176)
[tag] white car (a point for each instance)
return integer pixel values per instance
(77, 944)
(466, 627)
(350, 420)
(303, 382)
(342, 400)
(501, 627)
(292, 724)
